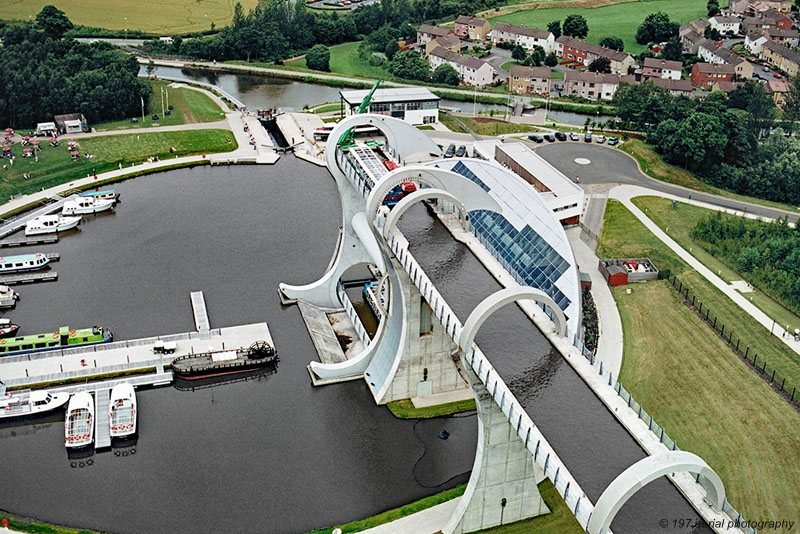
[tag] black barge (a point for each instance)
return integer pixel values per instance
(191, 366)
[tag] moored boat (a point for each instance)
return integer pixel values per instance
(7, 328)
(215, 363)
(8, 297)
(86, 205)
(25, 262)
(122, 410)
(375, 301)
(108, 193)
(50, 224)
(61, 339)
(27, 402)
(79, 422)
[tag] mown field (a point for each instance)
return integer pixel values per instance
(620, 20)
(162, 18)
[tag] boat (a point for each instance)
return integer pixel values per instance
(79, 422)
(122, 410)
(216, 363)
(61, 339)
(8, 297)
(50, 224)
(371, 297)
(108, 193)
(25, 262)
(84, 205)
(7, 328)
(27, 402)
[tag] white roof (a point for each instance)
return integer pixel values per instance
(72, 123)
(46, 126)
(397, 94)
(553, 179)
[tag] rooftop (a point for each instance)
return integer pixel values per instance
(592, 48)
(530, 72)
(717, 68)
(467, 61)
(395, 94)
(433, 30)
(783, 51)
(522, 30)
(657, 63)
(590, 77)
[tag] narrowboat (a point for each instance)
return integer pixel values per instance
(86, 205)
(23, 263)
(79, 423)
(371, 298)
(204, 365)
(27, 402)
(122, 410)
(50, 224)
(63, 338)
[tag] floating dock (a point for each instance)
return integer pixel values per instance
(28, 278)
(28, 241)
(201, 322)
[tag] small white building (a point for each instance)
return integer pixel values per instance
(527, 38)
(415, 105)
(727, 24)
(754, 41)
(46, 128)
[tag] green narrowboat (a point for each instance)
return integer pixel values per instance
(64, 338)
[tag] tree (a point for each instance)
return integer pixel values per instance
(53, 21)
(713, 7)
(613, 42)
(446, 74)
(518, 53)
(150, 68)
(673, 50)
(536, 58)
(601, 64)
(712, 33)
(411, 65)
(656, 28)
(791, 107)
(554, 28)
(575, 26)
(318, 58)
(391, 49)
(761, 109)
(551, 60)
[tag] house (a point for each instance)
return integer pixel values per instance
(583, 52)
(729, 24)
(757, 24)
(427, 33)
(783, 6)
(533, 80)
(781, 57)
(711, 52)
(698, 25)
(790, 38)
(777, 90)
(754, 41)
(675, 87)
(704, 75)
(448, 42)
(472, 28)
(662, 68)
(690, 41)
(473, 71)
(739, 7)
(725, 87)
(591, 85)
(782, 21)
(71, 123)
(527, 38)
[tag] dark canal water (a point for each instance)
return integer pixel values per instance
(268, 455)
(586, 436)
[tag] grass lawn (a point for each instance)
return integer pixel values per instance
(164, 18)
(693, 384)
(450, 121)
(55, 166)
(557, 74)
(508, 64)
(425, 127)
(345, 60)
(489, 126)
(327, 107)
(620, 20)
(681, 221)
(624, 236)
(190, 107)
(653, 165)
(404, 409)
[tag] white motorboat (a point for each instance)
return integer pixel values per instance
(50, 224)
(84, 205)
(122, 410)
(23, 263)
(8, 297)
(79, 423)
(27, 402)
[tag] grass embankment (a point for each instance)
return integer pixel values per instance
(190, 107)
(619, 20)
(654, 166)
(451, 122)
(680, 222)
(404, 409)
(164, 18)
(489, 126)
(696, 387)
(23, 525)
(55, 165)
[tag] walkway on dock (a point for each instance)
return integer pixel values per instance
(28, 278)
(200, 312)
(19, 223)
(102, 430)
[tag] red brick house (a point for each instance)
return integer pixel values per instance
(704, 75)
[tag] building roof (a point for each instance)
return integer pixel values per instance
(726, 87)
(664, 64)
(693, 37)
(395, 94)
(783, 34)
(447, 41)
(602, 51)
(715, 68)
(530, 72)
(777, 86)
(536, 33)
(721, 52)
(719, 19)
(589, 77)
(466, 19)
(434, 30)
(468, 61)
(761, 21)
(782, 51)
(673, 85)
(697, 25)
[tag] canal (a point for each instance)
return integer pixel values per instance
(266, 455)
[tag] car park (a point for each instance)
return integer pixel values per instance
(561, 136)
(601, 139)
(613, 141)
(549, 137)
(451, 151)
(574, 137)
(587, 137)
(461, 151)
(536, 138)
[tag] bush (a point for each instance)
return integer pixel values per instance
(446, 74)
(318, 58)
(377, 59)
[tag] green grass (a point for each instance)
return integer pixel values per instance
(508, 64)
(680, 222)
(23, 525)
(404, 409)
(696, 387)
(557, 74)
(425, 127)
(620, 20)
(489, 126)
(327, 107)
(345, 60)
(190, 107)
(654, 166)
(55, 166)
(449, 120)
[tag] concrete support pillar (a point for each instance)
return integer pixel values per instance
(503, 473)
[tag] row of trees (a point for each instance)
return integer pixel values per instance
(767, 253)
(42, 74)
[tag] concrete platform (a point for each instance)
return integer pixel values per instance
(322, 334)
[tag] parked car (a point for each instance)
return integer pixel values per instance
(600, 139)
(549, 138)
(574, 137)
(451, 151)
(777, 75)
(536, 138)
(461, 151)
(613, 141)
(587, 137)
(765, 69)
(561, 136)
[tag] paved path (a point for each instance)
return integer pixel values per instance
(625, 193)
(428, 521)
(174, 128)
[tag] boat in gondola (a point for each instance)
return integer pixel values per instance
(192, 366)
